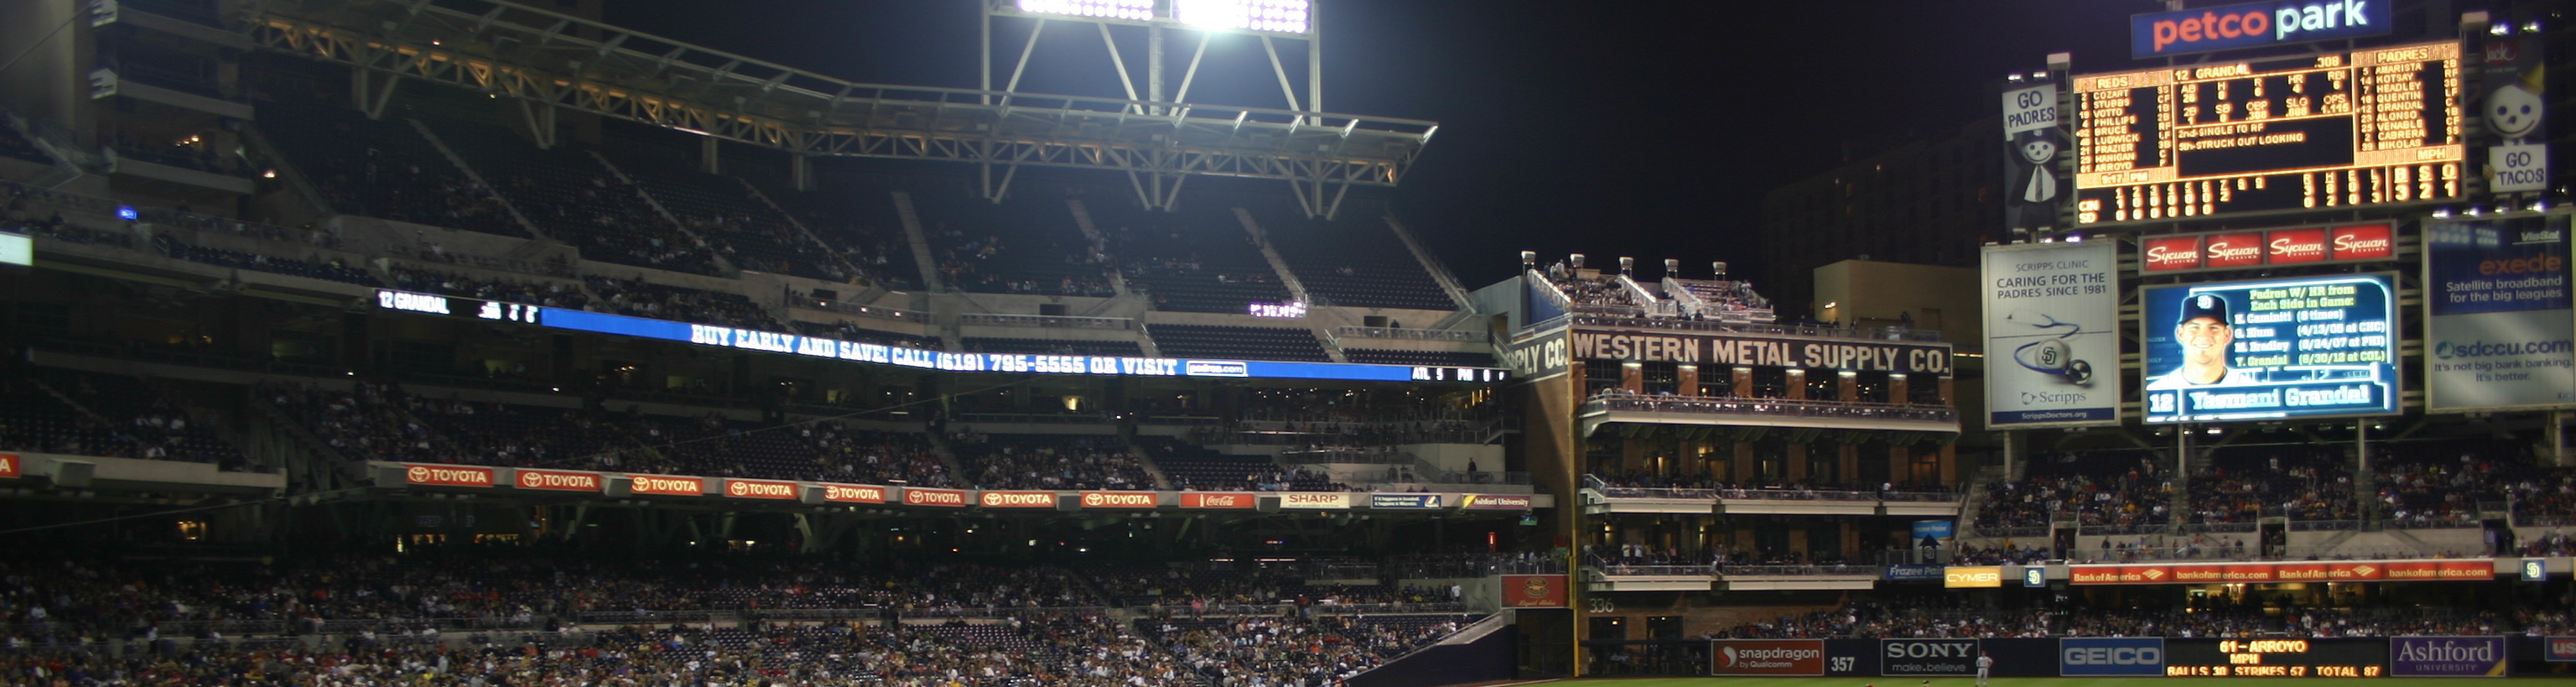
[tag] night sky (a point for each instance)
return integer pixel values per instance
(1650, 129)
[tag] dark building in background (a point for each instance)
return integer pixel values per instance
(1930, 201)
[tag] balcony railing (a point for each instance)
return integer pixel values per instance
(1795, 495)
(1658, 493)
(1409, 333)
(1629, 317)
(1796, 570)
(1770, 406)
(1047, 321)
(1625, 570)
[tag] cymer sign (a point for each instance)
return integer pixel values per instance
(2271, 349)
(2368, 127)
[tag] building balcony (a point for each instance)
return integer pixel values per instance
(1798, 577)
(1612, 577)
(1601, 498)
(1764, 412)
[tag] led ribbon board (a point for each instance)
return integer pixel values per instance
(1009, 363)
(2279, 348)
(2368, 127)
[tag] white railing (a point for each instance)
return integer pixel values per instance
(1049, 321)
(1410, 334)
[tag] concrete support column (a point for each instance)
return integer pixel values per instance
(1686, 379)
(1743, 462)
(1798, 384)
(1847, 385)
(1797, 462)
(707, 160)
(1743, 382)
(1632, 376)
(1899, 388)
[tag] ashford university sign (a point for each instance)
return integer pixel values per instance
(2228, 250)
(1727, 349)
(2342, 571)
(1768, 657)
(2446, 657)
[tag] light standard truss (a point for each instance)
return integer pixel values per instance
(546, 60)
(1205, 21)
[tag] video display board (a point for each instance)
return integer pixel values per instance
(858, 351)
(2277, 348)
(2275, 657)
(2374, 126)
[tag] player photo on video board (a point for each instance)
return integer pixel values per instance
(2277, 348)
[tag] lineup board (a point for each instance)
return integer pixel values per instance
(2373, 126)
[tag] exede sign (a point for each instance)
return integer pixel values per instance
(558, 481)
(431, 475)
(2254, 24)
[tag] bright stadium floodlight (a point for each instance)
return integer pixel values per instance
(1280, 16)
(1134, 10)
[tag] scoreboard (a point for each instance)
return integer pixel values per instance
(2380, 125)
(2276, 658)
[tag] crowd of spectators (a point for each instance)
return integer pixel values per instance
(545, 293)
(382, 422)
(968, 262)
(115, 417)
(2237, 487)
(333, 269)
(645, 299)
(611, 221)
(1592, 291)
(386, 620)
(1932, 618)
(2104, 490)
(1292, 650)
(1073, 462)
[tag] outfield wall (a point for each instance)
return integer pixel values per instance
(1926, 658)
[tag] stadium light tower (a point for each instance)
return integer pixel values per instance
(1199, 22)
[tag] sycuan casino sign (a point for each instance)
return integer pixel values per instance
(2255, 24)
(2245, 249)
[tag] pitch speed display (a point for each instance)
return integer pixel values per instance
(2367, 127)
(2313, 346)
(2276, 658)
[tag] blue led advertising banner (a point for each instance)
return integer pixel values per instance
(2498, 332)
(2277, 348)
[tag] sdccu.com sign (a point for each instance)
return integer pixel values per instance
(2115, 656)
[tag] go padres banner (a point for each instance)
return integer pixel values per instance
(1767, 657)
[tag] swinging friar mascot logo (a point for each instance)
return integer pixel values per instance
(2034, 179)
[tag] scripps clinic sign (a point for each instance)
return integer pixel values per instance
(2052, 313)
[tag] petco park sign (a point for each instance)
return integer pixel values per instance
(2255, 24)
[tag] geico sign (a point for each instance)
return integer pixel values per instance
(2114, 656)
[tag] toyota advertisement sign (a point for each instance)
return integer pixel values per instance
(2111, 656)
(1800, 657)
(2447, 657)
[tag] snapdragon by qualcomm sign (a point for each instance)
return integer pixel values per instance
(2094, 656)
(2446, 657)
(2255, 24)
